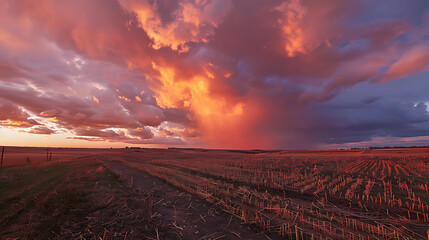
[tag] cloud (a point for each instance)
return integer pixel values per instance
(190, 21)
(413, 61)
(166, 132)
(13, 116)
(41, 130)
(90, 139)
(142, 133)
(214, 73)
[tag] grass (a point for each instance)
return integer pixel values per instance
(72, 200)
(24, 188)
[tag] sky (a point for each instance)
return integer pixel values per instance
(297, 74)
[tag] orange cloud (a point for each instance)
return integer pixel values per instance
(222, 72)
(222, 119)
(293, 13)
(95, 99)
(194, 22)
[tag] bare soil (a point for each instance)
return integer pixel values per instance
(190, 217)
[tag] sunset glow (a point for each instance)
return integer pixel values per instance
(297, 74)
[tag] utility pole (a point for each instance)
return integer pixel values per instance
(2, 153)
(50, 157)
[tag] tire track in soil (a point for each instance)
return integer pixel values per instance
(191, 217)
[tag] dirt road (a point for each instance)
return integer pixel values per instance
(191, 217)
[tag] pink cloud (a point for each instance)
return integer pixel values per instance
(41, 130)
(411, 62)
(13, 116)
(228, 73)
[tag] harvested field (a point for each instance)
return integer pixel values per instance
(183, 193)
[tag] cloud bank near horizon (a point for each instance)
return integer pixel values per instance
(217, 73)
